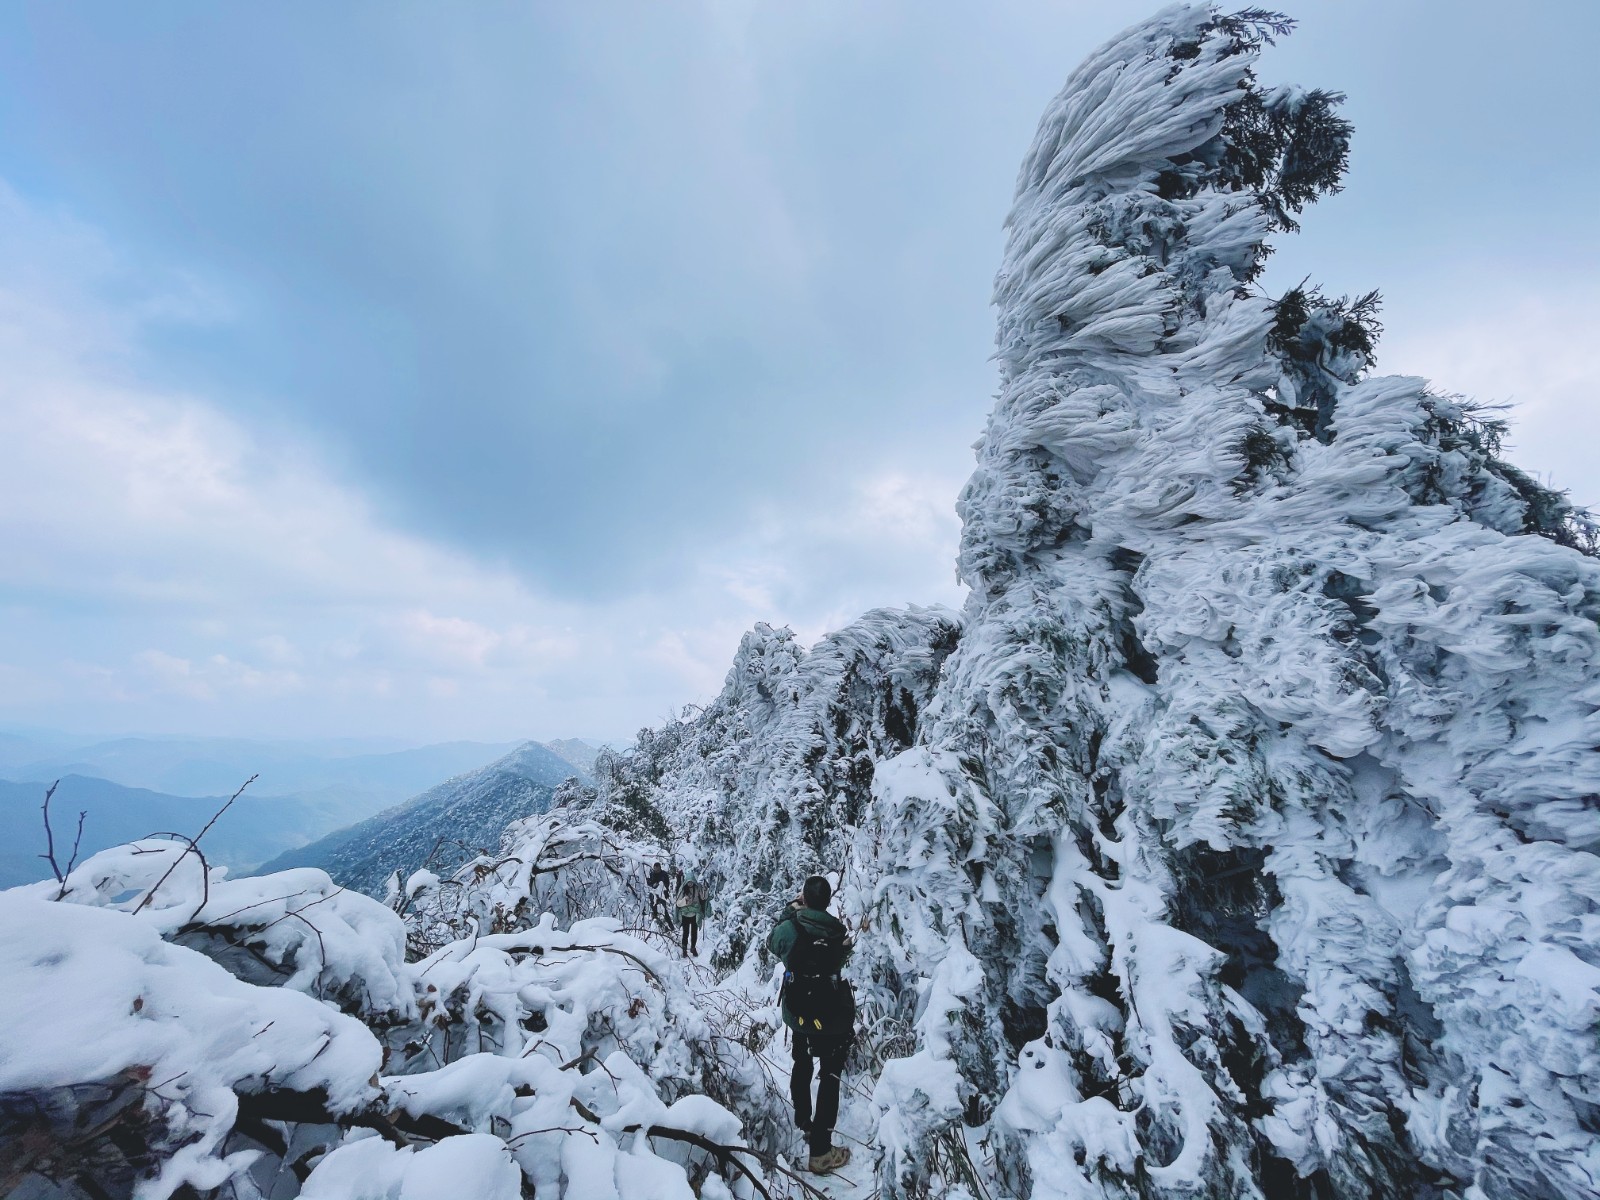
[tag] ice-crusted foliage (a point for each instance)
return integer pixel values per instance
(761, 787)
(178, 1032)
(919, 988)
(1263, 780)
(1246, 846)
(564, 864)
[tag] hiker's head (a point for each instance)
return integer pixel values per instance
(817, 892)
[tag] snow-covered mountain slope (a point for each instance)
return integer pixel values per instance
(440, 828)
(576, 751)
(763, 785)
(1246, 846)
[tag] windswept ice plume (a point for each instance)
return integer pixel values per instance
(1245, 843)
(1266, 766)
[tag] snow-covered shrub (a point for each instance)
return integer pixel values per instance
(563, 863)
(487, 988)
(193, 1038)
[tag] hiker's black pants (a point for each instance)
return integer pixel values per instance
(691, 935)
(831, 1052)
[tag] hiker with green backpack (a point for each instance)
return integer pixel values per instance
(693, 902)
(819, 1007)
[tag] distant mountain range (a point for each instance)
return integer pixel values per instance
(445, 825)
(132, 787)
(256, 827)
(383, 773)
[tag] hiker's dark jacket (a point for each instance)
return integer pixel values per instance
(814, 946)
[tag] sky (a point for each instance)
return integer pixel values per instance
(484, 371)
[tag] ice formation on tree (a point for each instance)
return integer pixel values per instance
(766, 782)
(1282, 721)
(1246, 846)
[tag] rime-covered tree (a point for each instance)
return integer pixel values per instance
(1262, 785)
(762, 787)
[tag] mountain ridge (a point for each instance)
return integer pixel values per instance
(213, 766)
(253, 829)
(474, 807)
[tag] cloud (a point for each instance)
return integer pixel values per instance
(545, 280)
(493, 379)
(172, 565)
(1527, 346)
(214, 677)
(458, 644)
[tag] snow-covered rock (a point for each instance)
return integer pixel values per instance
(93, 997)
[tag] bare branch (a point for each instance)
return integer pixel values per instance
(76, 842)
(726, 1153)
(194, 845)
(205, 868)
(49, 854)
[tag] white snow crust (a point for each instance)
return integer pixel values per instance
(535, 1055)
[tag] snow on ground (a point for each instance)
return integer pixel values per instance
(199, 1019)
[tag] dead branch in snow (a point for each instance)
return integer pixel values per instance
(725, 1153)
(49, 854)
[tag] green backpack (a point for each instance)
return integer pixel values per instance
(816, 1000)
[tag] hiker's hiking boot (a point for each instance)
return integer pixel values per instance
(826, 1164)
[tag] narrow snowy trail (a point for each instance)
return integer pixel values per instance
(757, 995)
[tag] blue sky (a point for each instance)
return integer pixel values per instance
(484, 370)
